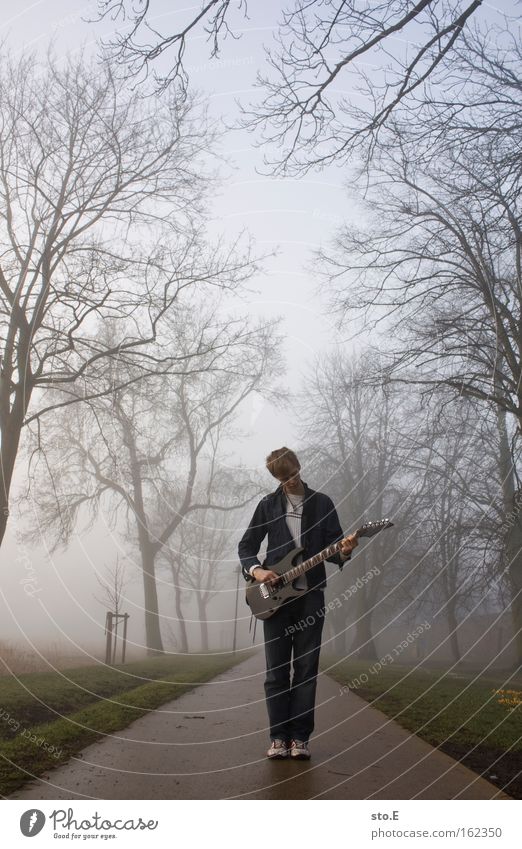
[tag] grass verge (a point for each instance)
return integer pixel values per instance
(475, 720)
(45, 718)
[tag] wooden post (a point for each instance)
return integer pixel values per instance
(116, 620)
(108, 645)
(126, 616)
(112, 621)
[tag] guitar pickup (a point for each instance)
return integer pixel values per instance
(265, 592)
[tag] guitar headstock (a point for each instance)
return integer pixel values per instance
(369, 529)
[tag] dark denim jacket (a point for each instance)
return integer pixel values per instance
(319, 528)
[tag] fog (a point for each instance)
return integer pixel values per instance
(48, 597)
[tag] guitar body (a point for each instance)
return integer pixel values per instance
(265, 601)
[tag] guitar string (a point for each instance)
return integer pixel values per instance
(324, 554)
(289, 576)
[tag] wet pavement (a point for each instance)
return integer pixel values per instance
(211, 743)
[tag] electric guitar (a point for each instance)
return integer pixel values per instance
(266, 598)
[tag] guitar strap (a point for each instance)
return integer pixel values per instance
(250, 627)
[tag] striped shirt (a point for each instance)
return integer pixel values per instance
(294, 513)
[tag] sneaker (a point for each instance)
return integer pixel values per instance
(278, 749)
(299, 750)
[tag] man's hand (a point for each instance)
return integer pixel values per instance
(266, 575)
(347, 544)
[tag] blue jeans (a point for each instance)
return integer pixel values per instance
(295, 630)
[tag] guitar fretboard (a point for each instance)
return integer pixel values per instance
(303, 567)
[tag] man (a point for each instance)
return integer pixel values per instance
(293, 515)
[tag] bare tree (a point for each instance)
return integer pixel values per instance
(380, 453)
(101, 218)
(173, 558)
(321, 49)
(325, 49)
(438, 260)
(200, 544)
(354, 443)
(456, 570)
(139, 56)
(196, 555)
(147, 442)
(113, 586)
(478, 99)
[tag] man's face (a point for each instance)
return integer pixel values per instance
(291, 480)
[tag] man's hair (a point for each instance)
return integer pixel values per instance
(281, 460)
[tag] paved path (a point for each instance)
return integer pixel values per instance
(210, 744)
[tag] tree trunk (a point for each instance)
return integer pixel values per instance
(148, 550)
(7, 462)
(513, 538)
(452, 630)
(339, 635)
(4, 516)
(450, 560)
(202, 609)
(184, 647)
(514, 558)
(11, 430)
(152, 625)
(363, 643)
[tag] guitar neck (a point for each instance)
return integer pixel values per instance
(303, 567)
